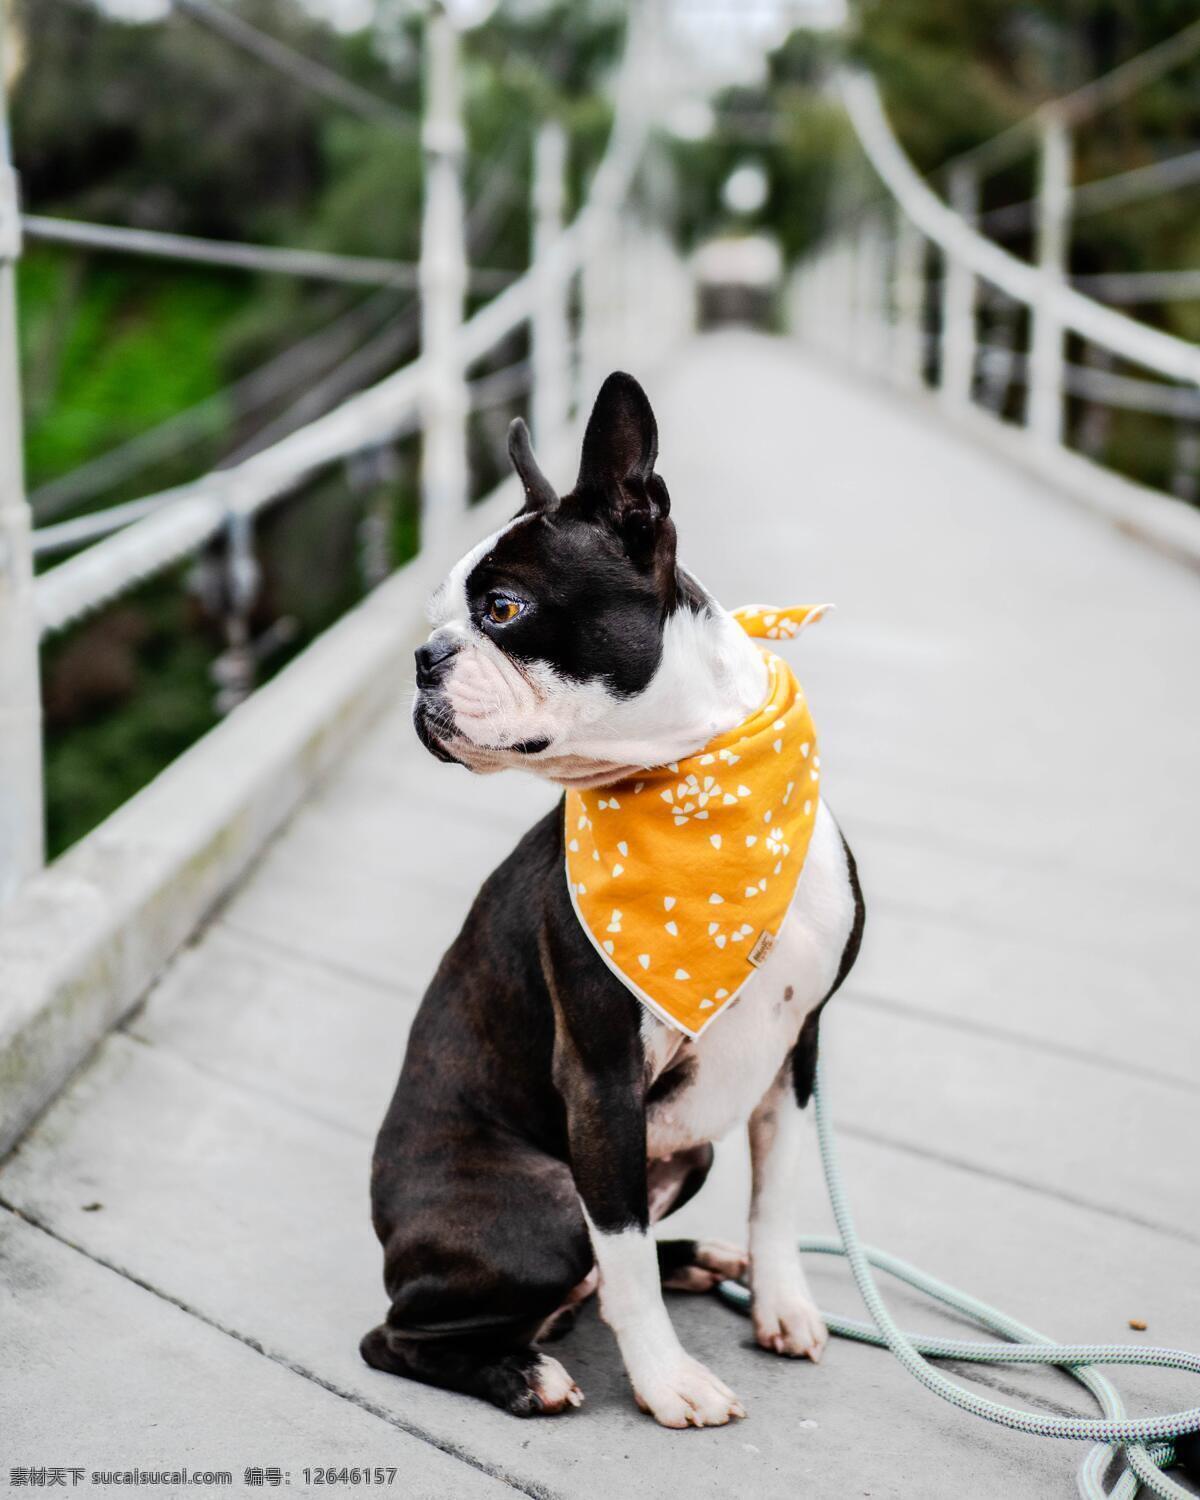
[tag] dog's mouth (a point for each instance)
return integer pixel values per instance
(433, 719)
(435, 728)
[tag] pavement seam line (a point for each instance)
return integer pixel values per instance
(873, 1001)
(976, 926)
(331, 966)
(534, 1491)
(995, 1174)
(230, 1080)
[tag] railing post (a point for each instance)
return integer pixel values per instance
(1185, 473)
(958, 300)
(842, 306)
(551, 330)
(869, 288)
(1095, 424)
(235, 669)
(443, 282)
(656, 313)
(1045, 413)
(908, 302)
(998, 361)
(598, 293)
(21, 835)
(829, 313)
(825, 309)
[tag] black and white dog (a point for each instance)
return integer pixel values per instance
(544, 1118)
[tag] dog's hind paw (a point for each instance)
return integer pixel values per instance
(549, 1389)
(686, 1394)
(698, 1265)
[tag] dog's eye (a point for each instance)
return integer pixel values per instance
(501, 609)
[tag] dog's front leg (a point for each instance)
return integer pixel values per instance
(607, 1129)
(786, 1318)
(599, 1072)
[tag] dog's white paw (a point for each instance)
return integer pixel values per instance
(553, 1386)
(683, 1393)
(787, 1321)
(714, 1261)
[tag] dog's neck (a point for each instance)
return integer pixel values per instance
(710, 677)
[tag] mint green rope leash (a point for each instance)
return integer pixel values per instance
(1114, 1432)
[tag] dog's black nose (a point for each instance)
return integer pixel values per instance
(433, 658)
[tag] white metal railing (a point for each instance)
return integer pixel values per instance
(21, 837)
(626, 314)
(311, 265)
(863, 292)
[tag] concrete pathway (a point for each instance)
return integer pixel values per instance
(1010, 738)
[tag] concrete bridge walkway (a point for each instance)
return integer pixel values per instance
(1007, 698)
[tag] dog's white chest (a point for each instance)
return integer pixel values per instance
(723, 1075)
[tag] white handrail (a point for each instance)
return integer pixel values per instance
(65, 536)
(21, 837)
(1122, 335)
(186, 518)
(864, 291)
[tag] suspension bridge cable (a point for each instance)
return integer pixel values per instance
(1141, 286)
(1084, 102)
(194, 513)
(260, 387)
(1127, 77)
(314, 265)
(377, 354)
(256, 390)
(1103, 193)
(188, 426)
(486, 393)
(298, 362)
(285, 59)
(484, 220)
(269, 381)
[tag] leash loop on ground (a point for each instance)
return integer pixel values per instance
(1144, 1442)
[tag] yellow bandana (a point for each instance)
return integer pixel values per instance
(682, 875)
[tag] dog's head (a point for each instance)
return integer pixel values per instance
(568, 642)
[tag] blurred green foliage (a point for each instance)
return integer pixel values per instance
(955, 75)
(106, 356)
(166, 126)
(124, 697)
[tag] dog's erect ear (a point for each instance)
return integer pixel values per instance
(540, 494)
(621, 441)
(616, 472)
